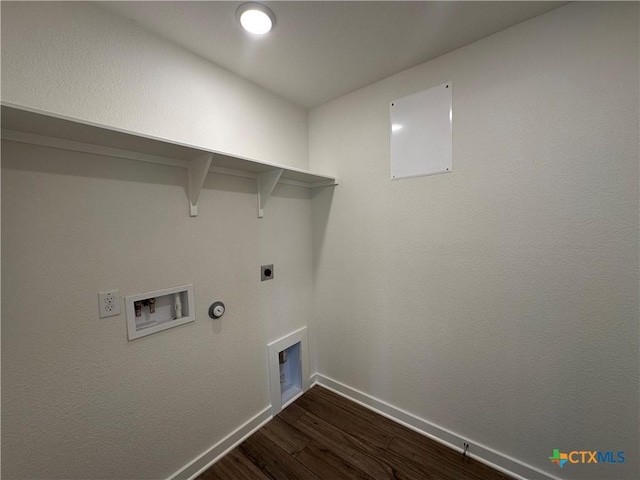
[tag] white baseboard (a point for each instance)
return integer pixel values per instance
(477, 451)
(202, 462)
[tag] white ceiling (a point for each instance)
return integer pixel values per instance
(319, 51)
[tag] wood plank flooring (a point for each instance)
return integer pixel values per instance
(324, 436)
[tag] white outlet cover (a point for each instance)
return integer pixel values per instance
(109, 303)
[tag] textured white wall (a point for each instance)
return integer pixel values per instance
(77, 59)
(78, 399)
(499, 301)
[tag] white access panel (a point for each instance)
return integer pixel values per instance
(421, 133)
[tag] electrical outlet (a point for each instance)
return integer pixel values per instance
(266, 272)
(109, 303)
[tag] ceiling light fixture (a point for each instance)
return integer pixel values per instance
(255, 18)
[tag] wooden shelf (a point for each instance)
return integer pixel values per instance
(45, 129)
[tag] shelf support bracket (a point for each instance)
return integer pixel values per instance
(197, 173)
(266, 183)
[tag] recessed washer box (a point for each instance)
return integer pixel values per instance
(153, 312)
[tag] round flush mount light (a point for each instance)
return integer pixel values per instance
(255, 18)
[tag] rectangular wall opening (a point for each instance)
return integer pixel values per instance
(288, 369)
(290, 372)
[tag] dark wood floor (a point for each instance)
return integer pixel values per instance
(324, 436)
